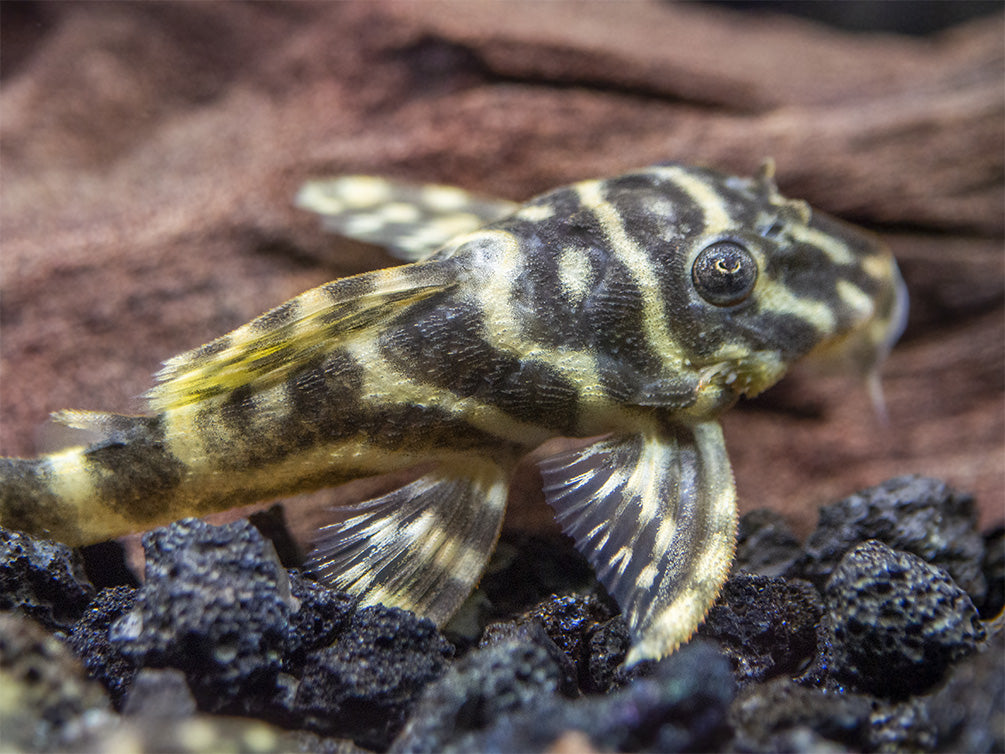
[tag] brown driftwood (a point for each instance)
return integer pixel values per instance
(150, 152)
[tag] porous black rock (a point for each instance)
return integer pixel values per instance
(895, 623)
(569, 621)
(781, 715)
(682, 706)
(216, 605)
(160, 694)
(914, 514)
(320, 615)
(366, 684)
(488, 682)
(766, 626)
(102, 657)
(43, 579)
(900, 726)
(532, 632)
(765, 544)
(964, 713)
(967, 712)
(609, 646)
(994, 572)
(890, 674)
(46, 702)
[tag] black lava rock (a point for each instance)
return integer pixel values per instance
(159, 694)
(489, 682)
(221, 627)
(46, 703)
(103, 658)
(365, 685)
(320, 616)
(967, 713)
(216, 604)
(681, 707)
(569, 621)
(781, 715)
(765, 544)
(895, 623)
(532, 632)
(43, 579)
(901, 726)
(994, 572)
(766, 626)
(915, 514)
(609, 646)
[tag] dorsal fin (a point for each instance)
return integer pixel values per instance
(266, 350)
(410, 220)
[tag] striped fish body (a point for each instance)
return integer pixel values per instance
(636, 308)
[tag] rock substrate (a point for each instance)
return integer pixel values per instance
(871, 648)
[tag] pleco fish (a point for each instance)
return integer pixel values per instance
(633, 310)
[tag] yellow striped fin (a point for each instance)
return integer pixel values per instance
(421, 547)
(410, 220)
(655, 514)
(267, 350)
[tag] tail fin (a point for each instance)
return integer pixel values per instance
(84, 494)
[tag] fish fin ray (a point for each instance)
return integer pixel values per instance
(410, 220)
(421, 547)
(268, 349)
(655, 514)
(101, 428)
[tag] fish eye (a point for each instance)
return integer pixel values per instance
(724, 273)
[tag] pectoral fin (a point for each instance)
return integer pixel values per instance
(655, 514)
(421, 547)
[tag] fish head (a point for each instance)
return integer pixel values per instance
(763, 281)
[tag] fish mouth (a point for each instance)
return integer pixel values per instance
(722, 383)
(746, 376)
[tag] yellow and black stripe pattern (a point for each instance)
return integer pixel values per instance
(637, 307)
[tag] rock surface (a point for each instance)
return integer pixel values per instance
(365, 685)
(766, 626)
(765, 544)
(891, 656)
(44, 579)
(499, 680)
(46, 702)
(895, 623)
(216, 604)
(968, 712)
(915, 514)
(682, 707)
(91, 640)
